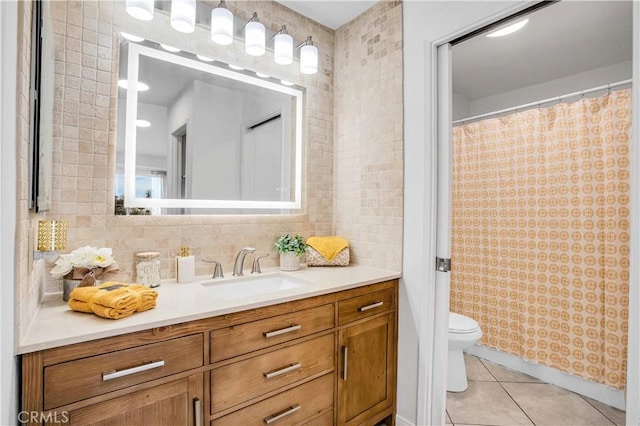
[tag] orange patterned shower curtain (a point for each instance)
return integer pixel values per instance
(540, 233)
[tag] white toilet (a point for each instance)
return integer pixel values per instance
(463, 333)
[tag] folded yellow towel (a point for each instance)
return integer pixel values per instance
(115, 295)
(329, 247)
(111, 313)
(113, 299)
(147, 297)
(80, 306)
(83, 294)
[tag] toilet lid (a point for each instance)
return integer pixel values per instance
(461, 323)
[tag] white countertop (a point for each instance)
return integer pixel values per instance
(54, 324)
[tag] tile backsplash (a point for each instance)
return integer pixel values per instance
(352, 174)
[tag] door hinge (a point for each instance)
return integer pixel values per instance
(443, 265)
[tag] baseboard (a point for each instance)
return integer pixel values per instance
(597, 391)
(401, 421)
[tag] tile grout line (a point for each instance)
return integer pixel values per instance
(512, 398)
(596, 408)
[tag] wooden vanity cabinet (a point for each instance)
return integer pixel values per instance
(367, 357)
(324, 360)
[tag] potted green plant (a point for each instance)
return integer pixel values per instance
(290, 249)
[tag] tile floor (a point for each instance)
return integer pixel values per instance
(499, 396)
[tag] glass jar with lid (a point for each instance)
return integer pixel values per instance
(148, 268)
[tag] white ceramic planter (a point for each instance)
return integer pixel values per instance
(289, 261)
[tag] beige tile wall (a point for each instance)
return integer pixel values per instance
(368, 135)
(84, 143)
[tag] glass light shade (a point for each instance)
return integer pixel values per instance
(140, 9)
(140, 86)
(308, 59)
(283, 49)
(132, 37)
(254, 42)
(183, 15)
(222, 26)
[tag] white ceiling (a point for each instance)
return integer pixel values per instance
(560, 40)
(331, 13)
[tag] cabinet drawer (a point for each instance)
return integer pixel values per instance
(293, 406)
(365, 305)
(244, 380)
(83, 378)
(231, 341)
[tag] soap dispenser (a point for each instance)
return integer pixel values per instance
(185, 266)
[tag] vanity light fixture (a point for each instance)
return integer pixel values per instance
(140, 9)
(261, 75)
(142, 87)
(235, 67)
(286, 83)
(131, 37)
(254, 36)
(142, 123)
(205, 58)
(169, 48)
(283, 47)
(222, 24)
(183, 15)
(509, 29)
(308, 57)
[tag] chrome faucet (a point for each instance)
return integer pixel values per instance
(217, 270)
(255, 269)
(238, 265)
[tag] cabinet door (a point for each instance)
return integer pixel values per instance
(171, 404)
(367, 358)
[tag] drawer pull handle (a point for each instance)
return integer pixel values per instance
(196, 408)
(275, 417)
(371, 306)
(285, 330)
(114, 374)
(276, 373)
(345, 353)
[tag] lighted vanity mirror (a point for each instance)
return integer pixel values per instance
(195, 137)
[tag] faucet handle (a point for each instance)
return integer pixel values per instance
(255, 269)
(248, 249)
(217, 270)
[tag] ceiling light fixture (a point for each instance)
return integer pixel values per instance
(140, 9)
(132, 37)
(308, 57)
(222, 24)
(183, 15)
(283, 47)
(142, 123)
(509, 29)
(169, 48)
(142, 87)
(254, 36)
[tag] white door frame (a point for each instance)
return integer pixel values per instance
(431, 405)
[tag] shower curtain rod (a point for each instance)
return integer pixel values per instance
(544, 101)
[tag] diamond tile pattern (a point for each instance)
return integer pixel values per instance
(500, 396)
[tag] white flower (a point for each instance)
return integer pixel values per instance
(63, 266)
(84, 257)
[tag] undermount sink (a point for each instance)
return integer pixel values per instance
(252, 286)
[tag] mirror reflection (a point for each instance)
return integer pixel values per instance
(197, 137)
